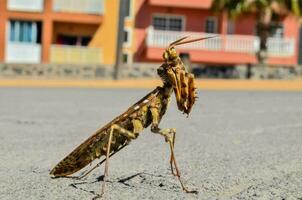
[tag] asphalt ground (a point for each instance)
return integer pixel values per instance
(204, 84)
(235, 145)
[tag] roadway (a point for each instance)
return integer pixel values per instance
(235, 145)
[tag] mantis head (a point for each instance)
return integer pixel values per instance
(174, 73)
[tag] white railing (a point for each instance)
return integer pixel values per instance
(281, 46)
(159, 38)
(17, 52)
(227, 43)
(26, 5)
(79, 6)
(67, 54)
(241, 43)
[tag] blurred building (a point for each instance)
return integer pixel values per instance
(159, 22)
(58, 31)
(85, 32)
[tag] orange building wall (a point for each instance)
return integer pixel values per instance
(2, 28)
(106, 35)
(49, 18)
(291, 24)
(129, 24)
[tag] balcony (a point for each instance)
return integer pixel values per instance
(281, 47)
(228, 46)
(79, 6)
(17, 52)
(196, 4)
(25, 5)
(65, 54)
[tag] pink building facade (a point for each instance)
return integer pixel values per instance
(159, 22)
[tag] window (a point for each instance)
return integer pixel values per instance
(160, 23)
(127, 58)
(85, 40)
(211, 25)
(171, 23)
(24, 31)
(73, 40)
(231, 27)
(127, 36)
(276, 30)
(128, 8)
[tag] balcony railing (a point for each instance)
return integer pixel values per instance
(26, 5)
(281, 46)
(241, 43)
(226, 43)
(22, 52)
(159, 38)
(79, 6)
(65, 54)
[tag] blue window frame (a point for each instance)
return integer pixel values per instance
(23, 31)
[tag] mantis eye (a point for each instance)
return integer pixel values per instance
(165, 55)
(173, 54)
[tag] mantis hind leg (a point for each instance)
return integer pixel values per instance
(119, 130)
(97, 165)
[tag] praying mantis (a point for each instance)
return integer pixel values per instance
(118, 133)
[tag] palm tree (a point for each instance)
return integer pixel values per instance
(265, 11)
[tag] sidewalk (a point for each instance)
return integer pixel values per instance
(207, 84)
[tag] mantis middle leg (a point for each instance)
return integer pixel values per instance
(169, 134)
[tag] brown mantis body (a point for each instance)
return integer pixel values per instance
(148, 111)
